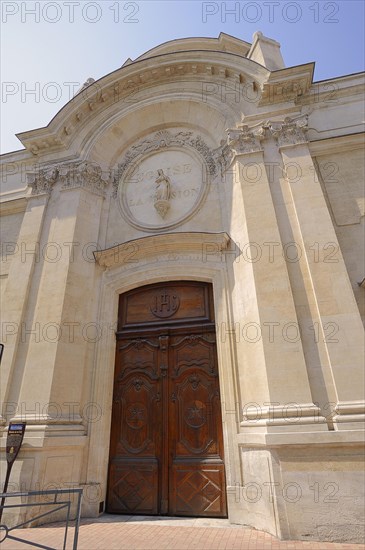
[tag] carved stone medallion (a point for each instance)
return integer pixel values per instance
(162, 189)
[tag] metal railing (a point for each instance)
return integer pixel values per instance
(59, 502)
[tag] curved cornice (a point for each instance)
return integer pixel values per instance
(116, 86)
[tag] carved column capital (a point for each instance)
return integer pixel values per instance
(241, 140)
(245, 140)
(72, 175)
(43, 180)
(289, 131)
(84, 174)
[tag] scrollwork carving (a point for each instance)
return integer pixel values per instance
(223, 156)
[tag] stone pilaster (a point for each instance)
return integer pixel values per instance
(340, 327)
(19, 280)
(63, 325)
(275, 391)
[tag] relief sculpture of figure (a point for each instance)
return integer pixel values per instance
(163, 187)
(162, 193)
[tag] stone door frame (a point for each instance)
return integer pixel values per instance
(120, 279)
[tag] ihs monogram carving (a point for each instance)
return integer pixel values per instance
(72, 175)
(165, 304)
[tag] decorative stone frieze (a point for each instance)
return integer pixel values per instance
(287, 85)
(77, 174)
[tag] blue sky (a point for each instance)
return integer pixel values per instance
(47, 45)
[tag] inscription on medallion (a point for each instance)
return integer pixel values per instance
(169, 171)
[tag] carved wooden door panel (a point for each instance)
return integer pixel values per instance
(166, 451)
(136, 436)
(197, 480)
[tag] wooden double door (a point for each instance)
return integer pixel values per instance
(166, 450)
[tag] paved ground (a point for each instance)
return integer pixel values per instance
(150, 533)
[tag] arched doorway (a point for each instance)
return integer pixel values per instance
(166, 447)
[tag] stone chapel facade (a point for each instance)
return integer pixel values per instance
(182, 285)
